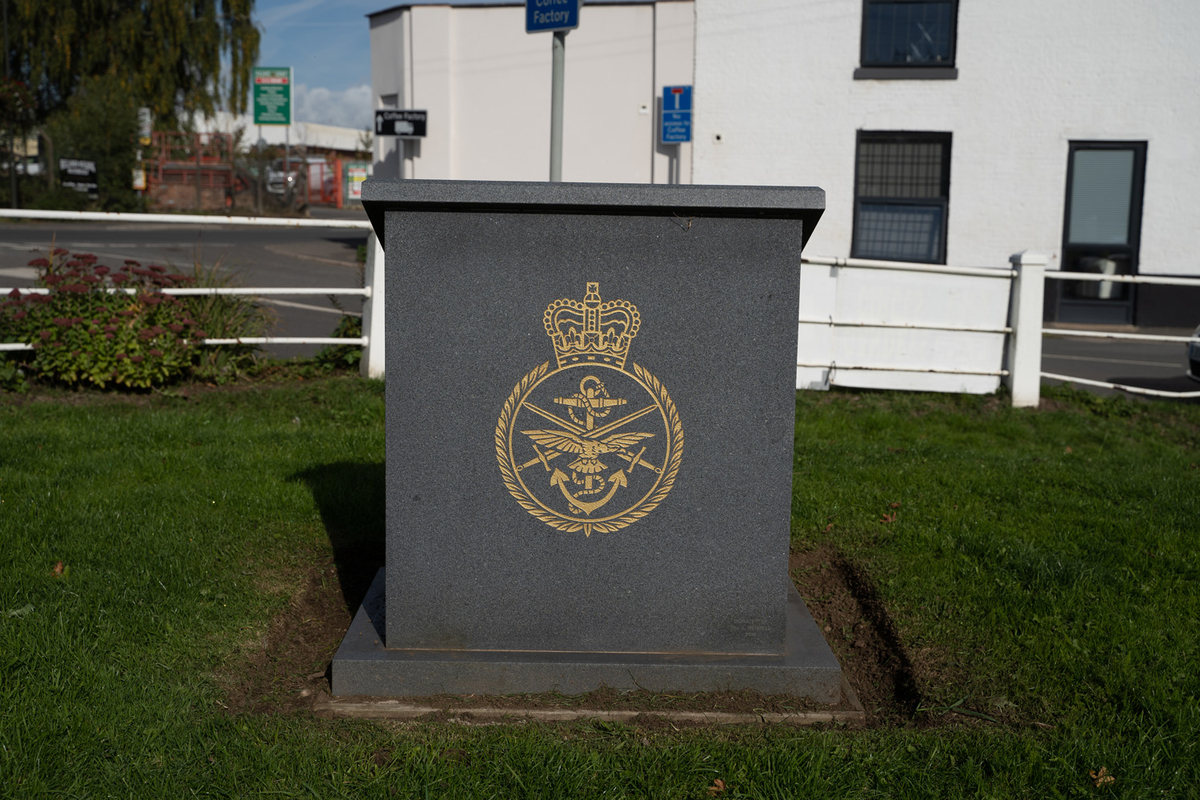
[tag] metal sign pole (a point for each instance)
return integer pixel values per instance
(258, 184)
(561, 17)
(556, 104)
(287, 144)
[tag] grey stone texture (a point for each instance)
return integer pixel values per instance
(363, 666)
(697, 583)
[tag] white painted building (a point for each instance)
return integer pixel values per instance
(947, 131)
(485, 84)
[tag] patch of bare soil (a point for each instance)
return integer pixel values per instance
(290, 670)
(291, 667)
(847, 607)
(1052, 404)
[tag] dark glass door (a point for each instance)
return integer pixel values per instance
(1101, 231)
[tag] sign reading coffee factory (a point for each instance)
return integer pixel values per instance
(612, 449)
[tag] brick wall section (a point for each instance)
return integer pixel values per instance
(178, 196)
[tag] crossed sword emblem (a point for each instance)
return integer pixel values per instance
(588, 443)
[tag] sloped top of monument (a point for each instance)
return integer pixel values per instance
(805, 203)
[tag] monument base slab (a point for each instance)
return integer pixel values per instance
(364, 666)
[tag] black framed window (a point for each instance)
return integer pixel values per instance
(909, 33)
(901, 196)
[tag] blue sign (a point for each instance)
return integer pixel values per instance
(677, 114)
(551, 15)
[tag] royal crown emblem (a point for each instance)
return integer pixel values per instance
(592, 469)
(593, 330)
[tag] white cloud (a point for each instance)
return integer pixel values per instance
(350, 108)
(271, 17)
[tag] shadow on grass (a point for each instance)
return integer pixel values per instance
(905, 691)
(350, 496)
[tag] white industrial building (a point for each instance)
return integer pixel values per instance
(313, 135)
(485, 84)
(942, 131)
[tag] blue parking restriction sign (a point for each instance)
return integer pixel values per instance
(551, 15)
(677, 114)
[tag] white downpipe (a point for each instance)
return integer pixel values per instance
(1025, 318)
(906, 266)
(372, 363)
(832, 323)
(1063, 275)
(834, 367)
(1122, 387)
(1137, 337)
(182, 219)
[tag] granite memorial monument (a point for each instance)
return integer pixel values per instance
(589, 425)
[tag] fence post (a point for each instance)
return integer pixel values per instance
(1024, 377)
(338, 199)
(372, 362)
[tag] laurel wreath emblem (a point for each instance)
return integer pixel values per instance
(670, 467)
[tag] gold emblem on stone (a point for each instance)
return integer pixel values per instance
(589, 446)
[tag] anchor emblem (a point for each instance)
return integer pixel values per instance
(593, 398)
(591, 338)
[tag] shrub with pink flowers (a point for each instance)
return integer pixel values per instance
(103, 326)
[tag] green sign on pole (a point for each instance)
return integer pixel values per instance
(272, 95)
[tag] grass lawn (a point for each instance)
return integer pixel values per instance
(1036, 572)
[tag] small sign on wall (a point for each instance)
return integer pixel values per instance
(677, 114)
(400, 122)
(355, 175)
(78, 174)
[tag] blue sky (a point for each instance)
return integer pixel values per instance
(326, 43)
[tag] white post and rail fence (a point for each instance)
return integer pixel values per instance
(372, 339)
(862, 323)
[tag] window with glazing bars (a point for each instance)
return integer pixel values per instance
(901, 196)
(909, 33)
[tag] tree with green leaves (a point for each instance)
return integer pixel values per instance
(17, 107)
(170, 52)
(98, 123)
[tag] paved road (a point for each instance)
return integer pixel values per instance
(293, 257)
(1151, 365)
(326, 258)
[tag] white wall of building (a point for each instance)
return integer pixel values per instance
(674, 49)
(776, 103)
(775, 82)
(486, 86)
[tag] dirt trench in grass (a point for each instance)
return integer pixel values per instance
(288, 670)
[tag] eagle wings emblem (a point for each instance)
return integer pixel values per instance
(588, 450)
